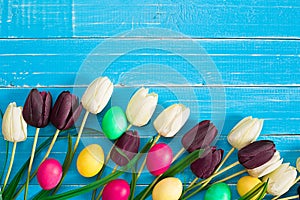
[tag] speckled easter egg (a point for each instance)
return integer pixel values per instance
(159, 159)
(219, 191)
(114, 123)
(90, 160)
(49, 174)
(167, 189)
(117, 189)
(245, 184)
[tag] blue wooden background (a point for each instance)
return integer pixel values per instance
(250, 51)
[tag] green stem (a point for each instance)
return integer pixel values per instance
(36, 136)
(10, 165)
(144, 162)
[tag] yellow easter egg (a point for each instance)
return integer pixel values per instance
(245, 184)
(167, 189)
(90, 160)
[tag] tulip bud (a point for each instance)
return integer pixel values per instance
(298, 164)
(245, 132)
(66, 111)
(97, 95)
(14, 127)
(259, 158)
(128, 144)
(141, 107)
(205, 166)
(281, 180)
(37, 108)
(200, 136)
(171, 120)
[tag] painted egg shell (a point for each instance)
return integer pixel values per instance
(117, 189)
(49, 174)
(90, 160)
(245, 184)
(159, 159)
(114, 123)
(219, 191)
(167, 189)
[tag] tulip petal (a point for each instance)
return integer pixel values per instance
(245, 132)
(129, 144)
(266, 168)
(14, 128)
(171, 120)
(97, 95)
(141, 107)
(281, 180)
(256, 153)
(200, 136)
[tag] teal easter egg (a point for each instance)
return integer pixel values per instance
(114, 123)
(219, 191)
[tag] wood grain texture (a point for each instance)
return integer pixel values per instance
(248, 56)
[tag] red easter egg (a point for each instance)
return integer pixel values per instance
(117, 189)
(159, 159)
(49, 174)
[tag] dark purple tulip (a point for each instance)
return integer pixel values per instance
(200, 136)
(129, 144)
(37, 108)
(66, 111)
(256, 154)
(205, 166)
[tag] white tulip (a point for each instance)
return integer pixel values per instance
(141, 107)
(268, 167)
(281, 180)
(171, 120)
(298, 164)
(245, 132)
(97, 95)
(14, 127)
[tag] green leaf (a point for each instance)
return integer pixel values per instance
(172, 171)
(10, 191)
(133, 184)
(264, 191)
(11, 188)
(5, 160)
(258, 189)
(103, 181)
(66, 165)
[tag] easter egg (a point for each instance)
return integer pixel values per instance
(219, 191)
(49, 174)
(90, 160)
(167, 189)
(159, 159)
(114, 123)
(116, 189)
(245, 184)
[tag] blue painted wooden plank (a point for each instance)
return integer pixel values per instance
(238, 62)
(29, 19)
(65, 18)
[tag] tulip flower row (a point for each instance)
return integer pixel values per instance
(260, 158)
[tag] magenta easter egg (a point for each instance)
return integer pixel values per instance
(116, 189)
(159, 159)
(49, 174)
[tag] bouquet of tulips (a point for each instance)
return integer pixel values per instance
(267, 174)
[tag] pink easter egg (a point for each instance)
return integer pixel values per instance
(159, 159)
(49, 174)
(116, 189)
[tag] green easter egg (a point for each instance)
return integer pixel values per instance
(114, 123)
(219, 191)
